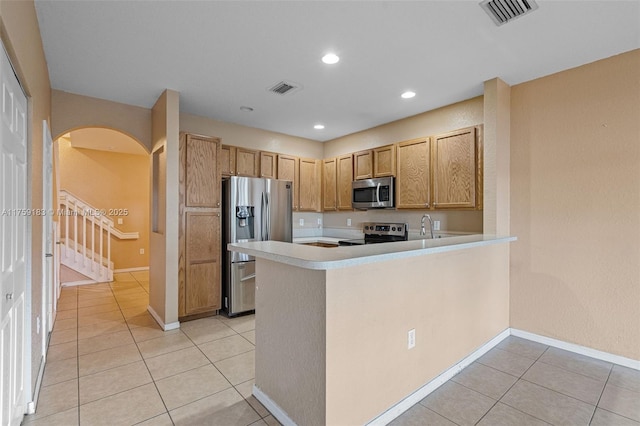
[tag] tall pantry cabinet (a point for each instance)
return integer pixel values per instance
(199, 235)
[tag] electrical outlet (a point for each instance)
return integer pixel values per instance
(319, 222)
(141, 251)
(436, 225)
(411, 339)
(120, 221)
(301, 222)
(349, 222)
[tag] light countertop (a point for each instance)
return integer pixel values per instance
(311, 257)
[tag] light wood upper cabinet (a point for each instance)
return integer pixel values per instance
(413, 184)
(454, 169)
(289, 169)
(247, 162)
(329, 184)
(373, 163)
(201, 173)
(310, 188)
(227, 160)
(384, 161)
(344, 180)
(199, 237)
(363, 165)
(268, 165)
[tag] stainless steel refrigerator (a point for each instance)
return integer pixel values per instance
(254, 209)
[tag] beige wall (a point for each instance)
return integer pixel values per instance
(252, 138)
(575, 203)
(108, 180)
(456, 116)
(21, 37)
(71, 112)
(163, 258)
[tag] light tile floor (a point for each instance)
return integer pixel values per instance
(520, 382)
(110, 364)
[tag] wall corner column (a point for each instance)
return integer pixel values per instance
(163, 241)
(497, 118)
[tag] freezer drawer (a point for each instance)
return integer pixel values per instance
(243, 287)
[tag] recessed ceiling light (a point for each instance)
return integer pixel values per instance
(246, 109)
(330, 58)
(319, 126)
(408, 94)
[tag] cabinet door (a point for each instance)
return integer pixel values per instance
(247, 162)
(329, 185)
(363, 165)
(384, 161)
(412, 184)
(268, 165)
(289, 169)
(202, 262)
(199, 225)
(201, 175)
(454, 169)
(310, 185)
(227, 160)
(344, 180)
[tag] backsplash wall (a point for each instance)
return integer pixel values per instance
(336, 222)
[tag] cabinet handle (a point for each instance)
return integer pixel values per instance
(218, 203)
(9, 296)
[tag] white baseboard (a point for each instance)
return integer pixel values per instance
(81, 282)
(414, 398)
(141, 268)
(165, 327)
(582, 350)
(273, 408)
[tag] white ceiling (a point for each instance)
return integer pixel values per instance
(221, 55)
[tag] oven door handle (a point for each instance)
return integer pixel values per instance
(378, 192)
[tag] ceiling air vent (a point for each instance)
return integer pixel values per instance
(284, 88)
(503, 11)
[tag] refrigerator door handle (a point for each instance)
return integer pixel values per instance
(268, 216)
(262, 218)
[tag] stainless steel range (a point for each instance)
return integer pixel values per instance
(377, 232)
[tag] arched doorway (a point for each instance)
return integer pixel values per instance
(101, 174)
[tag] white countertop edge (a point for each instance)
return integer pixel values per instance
(320, 258)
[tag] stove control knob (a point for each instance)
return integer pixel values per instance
(393, 229)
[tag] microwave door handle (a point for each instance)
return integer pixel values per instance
(378, 192)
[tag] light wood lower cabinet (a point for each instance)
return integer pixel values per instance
(199, 237)
(413, 184)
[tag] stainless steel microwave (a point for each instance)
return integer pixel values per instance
(375, 193)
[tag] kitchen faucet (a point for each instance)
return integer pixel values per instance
(422, 230)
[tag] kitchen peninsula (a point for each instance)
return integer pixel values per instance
(332, 324)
